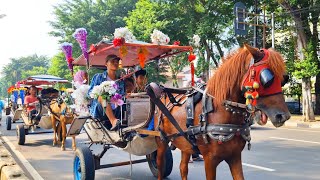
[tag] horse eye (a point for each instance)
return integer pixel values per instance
(285, 79)
(266, 77)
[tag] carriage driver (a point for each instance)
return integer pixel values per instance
(111, 74)
(30, 101)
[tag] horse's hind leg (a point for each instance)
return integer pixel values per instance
(235, 165)
(185, 157)
(162, 147)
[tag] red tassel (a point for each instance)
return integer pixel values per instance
(192, 73)
(254, 102)
(220, 142)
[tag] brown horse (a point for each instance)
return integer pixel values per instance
(227, 84)
(62, 113)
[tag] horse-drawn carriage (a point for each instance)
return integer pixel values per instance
(138, 112)
(213, 119)
(42, 108)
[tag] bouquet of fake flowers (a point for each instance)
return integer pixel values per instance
(108, 91)
(81, 99)
(157, 37)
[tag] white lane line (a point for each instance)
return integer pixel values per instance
(259, 167)
(297, 140)
(299, 130)
(23, 160)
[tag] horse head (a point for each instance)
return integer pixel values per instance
(258, 83)
(268, 71)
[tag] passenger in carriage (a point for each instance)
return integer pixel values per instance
(129, 83)
(141, 80)
(112, 114)
(31, 101)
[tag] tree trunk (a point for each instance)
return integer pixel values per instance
(306, 100)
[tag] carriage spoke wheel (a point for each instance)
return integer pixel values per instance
(168, 163)
(83, 164)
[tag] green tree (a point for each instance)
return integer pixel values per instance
(98, 17)
(17, 68)
(305, 18)
(58, 67)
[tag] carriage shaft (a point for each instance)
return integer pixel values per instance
(120, 164)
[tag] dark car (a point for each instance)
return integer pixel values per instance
(294, 107)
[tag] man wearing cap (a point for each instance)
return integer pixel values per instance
(111, 74)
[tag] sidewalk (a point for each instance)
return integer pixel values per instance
(297, 121)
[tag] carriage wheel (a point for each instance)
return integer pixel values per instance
(8, 122)
(21, 134)
(168, 163)
(83, 164)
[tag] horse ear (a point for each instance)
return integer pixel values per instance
(256, 53)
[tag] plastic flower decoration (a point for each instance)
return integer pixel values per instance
(108, 91)
(157, 37)
(122, 35)
(196, 40)
(81, 99)
(81, 36)
(67, 50)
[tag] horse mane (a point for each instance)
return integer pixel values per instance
(228, 77)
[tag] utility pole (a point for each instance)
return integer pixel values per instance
(255, 22)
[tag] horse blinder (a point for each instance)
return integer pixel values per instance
(266, 77)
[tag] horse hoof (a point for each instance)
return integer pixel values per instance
(63, 148)
(54, 144)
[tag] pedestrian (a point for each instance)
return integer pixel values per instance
(1, 109)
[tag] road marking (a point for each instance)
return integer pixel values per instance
(299, 130)
(23, 160)
(297, 140)
(259, 167)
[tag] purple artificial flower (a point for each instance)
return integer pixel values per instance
(117, 100)
(67, 50)
(81, 36)
(115, 85)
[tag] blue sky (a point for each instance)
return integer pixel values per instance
(24, 30)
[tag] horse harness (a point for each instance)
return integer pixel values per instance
(218, 132)
(59, 100)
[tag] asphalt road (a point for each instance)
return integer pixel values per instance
(283, 153)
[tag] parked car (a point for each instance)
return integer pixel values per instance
(294, 107)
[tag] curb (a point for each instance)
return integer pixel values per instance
(9, 170)
(299, 124)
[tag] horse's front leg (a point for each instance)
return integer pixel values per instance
(185, 157)
(161, 151)
(210, 164)
(53, 122)
(235, 165)
(64, 132)
(74, 146)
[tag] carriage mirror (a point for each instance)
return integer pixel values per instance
(285, 79)
(266, 77)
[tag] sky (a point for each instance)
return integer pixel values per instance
(24, 29)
